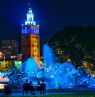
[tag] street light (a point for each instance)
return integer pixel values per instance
(0, 55)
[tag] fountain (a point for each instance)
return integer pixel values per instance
(55, 74)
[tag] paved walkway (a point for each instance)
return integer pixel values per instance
(49, 93)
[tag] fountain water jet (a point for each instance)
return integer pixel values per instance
(30, 67)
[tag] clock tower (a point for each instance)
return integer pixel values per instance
(30, 39)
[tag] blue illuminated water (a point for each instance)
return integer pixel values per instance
(49, 58)
(56, 75)
(30, 67)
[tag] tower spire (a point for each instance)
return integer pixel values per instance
(29, 3)
(30, 16)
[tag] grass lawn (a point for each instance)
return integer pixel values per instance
(64, 95)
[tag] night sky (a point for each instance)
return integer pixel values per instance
(52, 15)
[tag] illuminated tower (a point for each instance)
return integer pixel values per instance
(30, 38)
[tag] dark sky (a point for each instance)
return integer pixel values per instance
(52, 15)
